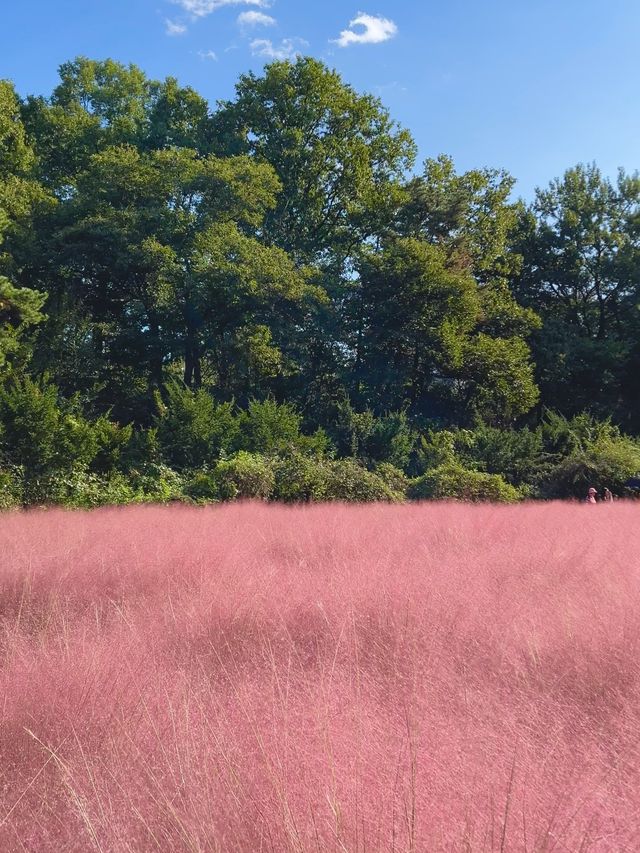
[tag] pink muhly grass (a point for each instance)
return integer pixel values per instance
(245, 678)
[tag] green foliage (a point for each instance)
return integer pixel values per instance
(159, 258)
(193, 430)
(495, 379)
(245, 475)
(300, 479)
(517, 455)
(11, 496)
(268, 427)
(452, 481)
(19, 311)
(113, 443)
(16, 156)
(584, 452)
(303, 479)
(156, 483)
(388, 438)
(579, 241)
(202, 486)
(338, 155)
(348, 481)
(393, 477)
(42, 432)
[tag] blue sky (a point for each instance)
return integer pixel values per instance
(533, 86)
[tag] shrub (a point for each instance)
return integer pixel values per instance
(455, 482)
(192, 428)
(202, 487)
(269, 427)
(514, 454)
(11, 493)
(156, 483)
(300, 478)
(373, 439)
(605, 464)
(41, 432)
(112, 445)
(83, 490)
(245, 475)
(348, 481)
(584, 452)
(444, 447)
(393, 477)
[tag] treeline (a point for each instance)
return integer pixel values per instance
(266, 299)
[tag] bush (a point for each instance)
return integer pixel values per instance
(458, 483)
(113, 444)
(373, 439)
(156, 483)
(300, 478)
(348, 481)
(245, 475)
(607, 464)
(41, 432)
(82, 490)
(11, 493)
(393, 477)
(269, 428)
(584, 452)
(514, 454)
(192, 429)
(202, 487)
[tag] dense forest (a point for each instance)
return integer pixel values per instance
(270, 298)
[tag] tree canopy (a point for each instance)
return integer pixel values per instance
(270, 276)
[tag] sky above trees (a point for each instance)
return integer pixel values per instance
(530, 87)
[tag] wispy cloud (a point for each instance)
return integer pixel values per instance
(202, 8)
(208, 55)
(371, 29)
(287, 49)
(174, 28)
(386, 88)
(247, 20)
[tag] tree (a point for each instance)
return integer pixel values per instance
(19, 311)
(415, 310)
(471, 216)
(19, 306)
(338, 155)
(421, 342)
(159, 252)
(99, 104)
(581, 249)
(433, 316)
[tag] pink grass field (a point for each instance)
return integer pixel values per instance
(385, 678)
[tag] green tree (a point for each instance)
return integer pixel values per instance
(339, 156)
(99, 104)
(19, 194)
(158, 255)
(421, 342)
(580, 240)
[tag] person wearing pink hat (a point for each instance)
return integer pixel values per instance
(592, 496)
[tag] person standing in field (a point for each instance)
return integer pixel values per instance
(592, 496)
(607, 496)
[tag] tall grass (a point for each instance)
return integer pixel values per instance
(253, 678)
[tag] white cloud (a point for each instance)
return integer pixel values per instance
(174, 28)
(202, 8)
(208, 55)
(287, 49)
(255, 19)
(374, 30)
